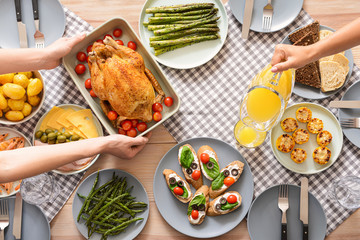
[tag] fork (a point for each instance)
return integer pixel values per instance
(350, 122)
(283, 204)
(4, 217)
(38, 36)
(267, 16)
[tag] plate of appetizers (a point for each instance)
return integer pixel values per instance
(308, 138)
(203, 187)
(325, 77)
(190, 38)
(264, 218)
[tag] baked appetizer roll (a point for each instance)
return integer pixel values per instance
(303, 114)
(224, 204)
(227, 177)
(298, 155)
(209, 162)
(198, 205)
(179, 188)
(324, 138)
(190, 165)
(289, 124)
(285, 143)
(301, 136)
(321, 155)
(315, 125)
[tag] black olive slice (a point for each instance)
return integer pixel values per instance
(193, 165)
(210, 165)
(222, 201)
(218, 206)
(180, 183)
(226, 173)
(189, 171)
(195, 207)
(234, 172)
(172, 180)
(201, 207)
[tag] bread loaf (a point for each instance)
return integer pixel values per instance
(333, 75)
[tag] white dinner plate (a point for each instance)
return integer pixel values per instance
(190, 56)
(331, 124)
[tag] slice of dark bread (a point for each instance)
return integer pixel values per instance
(308, 75)
(305, 40)
(313, 28)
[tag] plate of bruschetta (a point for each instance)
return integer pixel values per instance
(203, 187)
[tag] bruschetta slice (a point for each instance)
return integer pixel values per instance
(209, 162)
(190, 165)
(224, 204)
(228, 176)
(178, 187)
(198, 205)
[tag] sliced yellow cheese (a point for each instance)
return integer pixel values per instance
(62, 118)
(44, 123)
(83, 121)
(52, 123)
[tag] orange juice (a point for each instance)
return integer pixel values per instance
(248, 136)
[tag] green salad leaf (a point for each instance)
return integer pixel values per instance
(199, 199)
(218, 182)
(228, 206)
(186, 157)
(214, 172)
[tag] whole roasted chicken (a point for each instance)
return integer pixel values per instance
(121, 81)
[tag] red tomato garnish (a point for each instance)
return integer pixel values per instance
(132, 45)
(126, 125)
(157, 107)
(108, 35)
(89, 49)
(231, 199)
(81, 56)
(80, 68)
(134, 122)
(88, 83)
(92, 93)
(112, 115)
(131, 132)
(120, 42)
(228, 181)
(196, 174)
(141, 127)
(205, 158)
(121, 131)
(157, 116)
(87, 58)
(178, 191)
(195, 214)
(100, 41)
(168, 101)
(117, 32)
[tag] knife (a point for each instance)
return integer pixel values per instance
(247, 18)
(17, 216)
(21, 26)
(304, 210)
(345, 104)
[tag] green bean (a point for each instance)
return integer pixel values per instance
(88, 198)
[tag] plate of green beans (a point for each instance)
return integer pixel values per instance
(110, 204)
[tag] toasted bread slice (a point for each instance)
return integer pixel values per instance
(333, 75)
(313, 28)
(195, 166)
(233, 170)
(308, 75)
(215, 205)
(210, 174)
(342, 60)
(201, 209)
(168, 173)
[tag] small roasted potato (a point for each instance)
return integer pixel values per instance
(3, 102)
(21, 80)
(27, 74)
(322, 155)
(298, 155)
(285, 143)
(6, 78)
(324, 138)
(35, 87)
(16, 105)
(13, 91)
(315, 125)
(34, 100)
(289, 124)
(301, 136)
(303, 114)
(6, 109)
(27, 109)
(14, 115)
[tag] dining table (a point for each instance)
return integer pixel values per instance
(334, 14)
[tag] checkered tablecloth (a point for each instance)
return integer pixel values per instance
(210, 97)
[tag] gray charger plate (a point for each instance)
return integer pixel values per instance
(264, 218)
(352, 93)
(174, 211)
(34, 223)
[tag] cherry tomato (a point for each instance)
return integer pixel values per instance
(88, 83)
(168, 101)
(81, 56)
(80, 68)
(231, 199)
(120, 42)
(100, 41)
(131, 132)
(157, 116)
(108, 35)
(157, 107)
(178, 191)
(205, 158)
(89, 49)
(196, 174)
(87, 58)
(92, 93)
(141, 127)
(195, 214)
(126, 125)
(121, 131)
(228, 181)
(117, 32)
(134, 122)
(112, 115)
(132, 45)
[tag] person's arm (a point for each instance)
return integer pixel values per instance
(288, 56)
(31, 59)
(29, 161)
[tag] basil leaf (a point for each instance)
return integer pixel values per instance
(218, 182)
(185, 194)
(228, 206)
(214, 172)
(187, 157)
(199, 199)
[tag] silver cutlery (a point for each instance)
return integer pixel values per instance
(249, 4)
(21, 26)
(345, 104)
(38, 36)
(4, 217)
(267, 16)
(350, 122)
(17, 216)
(283, 204)
(304, 207)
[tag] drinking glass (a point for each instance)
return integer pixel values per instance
(346, 191)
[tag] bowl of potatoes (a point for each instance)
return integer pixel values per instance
(21, 96)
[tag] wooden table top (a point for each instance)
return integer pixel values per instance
(335, 14)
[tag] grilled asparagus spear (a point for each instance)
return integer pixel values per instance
(180, 8)
(184, 33)
(178, 28)
(190, 39)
